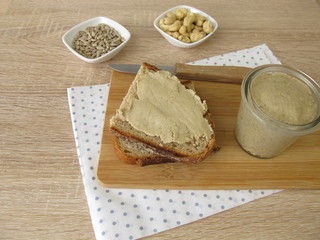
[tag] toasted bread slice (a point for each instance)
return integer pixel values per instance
(130, 137)
(134, 152)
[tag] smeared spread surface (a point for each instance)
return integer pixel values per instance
(284, 98)
(163, 107)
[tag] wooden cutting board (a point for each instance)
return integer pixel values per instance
(229, 168)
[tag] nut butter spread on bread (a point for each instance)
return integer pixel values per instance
(161, 120)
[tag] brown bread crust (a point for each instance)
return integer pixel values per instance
(140, 161)
(153, 159)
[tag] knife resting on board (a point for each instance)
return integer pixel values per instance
(224, 74)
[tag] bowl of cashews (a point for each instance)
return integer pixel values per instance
(185, 26)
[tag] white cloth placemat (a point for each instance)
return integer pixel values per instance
(132, 214)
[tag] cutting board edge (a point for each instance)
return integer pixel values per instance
(102, 166)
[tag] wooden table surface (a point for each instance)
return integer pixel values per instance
(41, 190)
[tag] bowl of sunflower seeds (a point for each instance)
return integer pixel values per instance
(96, 40)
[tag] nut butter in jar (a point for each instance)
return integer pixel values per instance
(278, 104)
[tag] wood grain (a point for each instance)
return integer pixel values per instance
(41, 190)
(223, 74)
(229, 168)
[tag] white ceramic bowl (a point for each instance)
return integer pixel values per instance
(69, 36)
(176, 42)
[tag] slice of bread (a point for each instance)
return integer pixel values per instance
(134, 145)
(134, 152)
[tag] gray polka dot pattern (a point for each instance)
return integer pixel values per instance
(131, 214)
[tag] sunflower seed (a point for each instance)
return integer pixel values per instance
(95, 41)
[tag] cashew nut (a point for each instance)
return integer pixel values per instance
(183, 29)
(200, 20)
(169, 33)
(196, 36)
(181, 13)
(184, 39)
(192, 27)
(188, 20)
(163, 26)
(197, 28)
(186, 35)
(175, 26)
(170, 19)
(172, 28)
(208, 27)
(186, 26)
(175, 35)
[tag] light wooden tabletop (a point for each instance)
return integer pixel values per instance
(41, 190)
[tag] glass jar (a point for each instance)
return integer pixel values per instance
(264, 125)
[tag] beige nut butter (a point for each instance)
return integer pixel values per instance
(284, 98)
(161, 106)
(278, 105)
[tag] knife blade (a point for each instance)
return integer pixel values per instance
(224, 74)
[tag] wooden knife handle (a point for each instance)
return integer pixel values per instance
(225, 74)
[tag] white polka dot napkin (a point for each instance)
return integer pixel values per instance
(134, 213)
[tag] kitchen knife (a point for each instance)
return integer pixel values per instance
(225, 74)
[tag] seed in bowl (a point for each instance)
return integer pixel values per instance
(95, 41)
(185, 25)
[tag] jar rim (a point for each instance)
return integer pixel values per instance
(262, 116)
